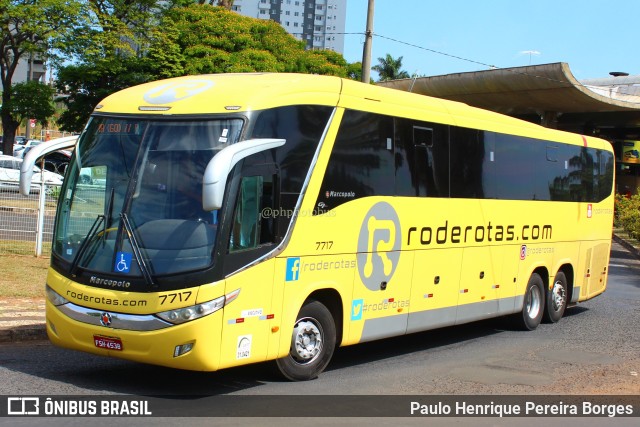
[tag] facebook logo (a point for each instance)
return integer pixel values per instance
(293, 269)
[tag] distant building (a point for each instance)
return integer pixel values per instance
(28, 70)
(319, 23)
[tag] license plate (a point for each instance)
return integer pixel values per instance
(107, 343)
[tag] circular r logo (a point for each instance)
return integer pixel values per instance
(378, 245)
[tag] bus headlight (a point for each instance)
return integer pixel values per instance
(186, 314)
(54, 297)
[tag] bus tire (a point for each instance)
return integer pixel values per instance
(312, 343)
(556, 299)
(533, 305)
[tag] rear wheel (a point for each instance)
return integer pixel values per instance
(556, 299)
(312, 343)
(533, 306)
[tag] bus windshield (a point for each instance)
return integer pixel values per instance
(131, 204)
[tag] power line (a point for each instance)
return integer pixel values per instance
(494, 67)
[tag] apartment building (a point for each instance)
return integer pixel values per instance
(29, 69)
(319, 23)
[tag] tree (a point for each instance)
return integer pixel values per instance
(227, 4)
(389, 68)
(203, 39)
(108, 55)
(182, 38)
(87, 84)
(29, 28)
(31, 100)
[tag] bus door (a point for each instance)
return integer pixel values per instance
(479, 287)
(434, 288)
(248, 321)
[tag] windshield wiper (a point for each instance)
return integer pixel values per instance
(85, 243)
(144, 269)
(108, 212)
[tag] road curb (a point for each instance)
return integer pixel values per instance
(628, 246)
(23, 333)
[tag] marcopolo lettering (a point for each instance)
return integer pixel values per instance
(108, 282)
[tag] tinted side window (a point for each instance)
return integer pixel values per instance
(302, 126)
(362, 162)
(606, 170)
(470, 165)
(422, 159)
(520, 165)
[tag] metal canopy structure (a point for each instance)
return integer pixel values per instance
(548, 92)
(550, 95)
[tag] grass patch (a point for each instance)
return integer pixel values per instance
(27, 203)
(23, 276)
(22, 247)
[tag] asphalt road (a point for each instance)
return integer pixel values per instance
(593, 350)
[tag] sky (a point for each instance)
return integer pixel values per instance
(436, 37)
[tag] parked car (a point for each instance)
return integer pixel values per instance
(19, 143)
(10, 174)
(23, 149)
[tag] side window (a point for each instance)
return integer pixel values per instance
(362, 161)
(422, 159)
(253, 218)
(470, 164)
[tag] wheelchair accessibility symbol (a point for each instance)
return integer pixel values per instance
(123, 262)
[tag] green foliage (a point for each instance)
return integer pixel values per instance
(31, 100)
(182, 38)
(36, 29)
(204, 39)
(628, 214)
(87, 84)
(389, 68)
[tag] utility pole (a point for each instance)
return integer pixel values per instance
(366, 52)
(27, 131)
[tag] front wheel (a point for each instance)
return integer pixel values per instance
(556, 299)
(312, 343)
(533, 306)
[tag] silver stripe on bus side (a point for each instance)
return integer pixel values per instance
(384, 327)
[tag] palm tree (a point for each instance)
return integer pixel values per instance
(389, 68)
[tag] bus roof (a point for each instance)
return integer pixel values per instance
(225, 93)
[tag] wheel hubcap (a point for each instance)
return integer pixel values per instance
(533, 302)
(558, 296)
(307, 341)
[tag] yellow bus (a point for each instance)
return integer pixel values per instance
(243, 218)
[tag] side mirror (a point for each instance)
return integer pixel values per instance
(30, 159)
(215, 175)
